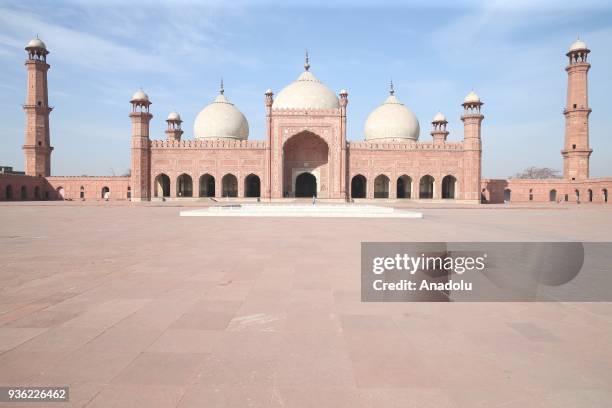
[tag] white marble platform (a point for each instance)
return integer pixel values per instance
(302, 210)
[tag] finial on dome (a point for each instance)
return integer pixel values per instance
(391, 88)
(306, 63)
(221, 90)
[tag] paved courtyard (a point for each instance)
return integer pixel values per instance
(134, 306)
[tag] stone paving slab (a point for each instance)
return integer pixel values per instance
(137, 306)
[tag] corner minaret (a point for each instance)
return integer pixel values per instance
(343, 144)
(174, 130)
(576, 151)
(141, 150)
(472, 147)
(37, 146)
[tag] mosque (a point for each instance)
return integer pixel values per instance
(305, 152)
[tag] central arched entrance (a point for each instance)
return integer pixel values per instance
(305, 153)
(306, 185)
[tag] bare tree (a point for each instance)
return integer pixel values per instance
(127, 173)
(537, 173)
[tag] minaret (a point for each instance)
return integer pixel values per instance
(344, 157)
(439, 132)
(141, 153)
(269, 99)
(576, 151)
(472, 147)
(37, 147)
(174, 130)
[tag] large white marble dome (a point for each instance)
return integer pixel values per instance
(307, 92)
(392, 122)
(221, 120)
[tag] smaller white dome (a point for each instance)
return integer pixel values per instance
(472, 97)
(578, 45)
(174, 116)
(269, 91)
(221, 120)
(36, 43)
(391, 121)
(439, 117)
(140, 96)
(343, 92)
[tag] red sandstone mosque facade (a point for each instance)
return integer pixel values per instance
(306, 152)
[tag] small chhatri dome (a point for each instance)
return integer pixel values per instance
(221, 120)
(439, 117)
(472, 97)
(36, 43)
(392, 121)
(174, 116)
(343, 92)
(578, 45)
(307, 92)
(140, 96)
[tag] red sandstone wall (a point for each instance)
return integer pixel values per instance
(217, 158)
(21, 187)
(412, 159)
(521, 190)
(92, 187)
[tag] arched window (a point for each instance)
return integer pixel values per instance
(252, 186)
(590, 193)
(577, 192)
(404, 187)
(24, 193)
(105, 193)
(448, 186)
(552, 196)
(530, 194)
(184, 186)
(426, 187)
(358, 186)
(8, 192)
(605, 195)
(229, 184)
(507, 195)
(37, 193)
(207, 185)
(129, 192)
(381, 186)
(82, 193)
(161, 187)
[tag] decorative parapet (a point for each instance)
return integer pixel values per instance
(209, 144)
(556, 181)
(306, 112)
(370, 145)
(88, 177)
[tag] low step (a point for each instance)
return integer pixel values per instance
(328, 210)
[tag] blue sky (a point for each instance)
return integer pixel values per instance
(512, 55)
